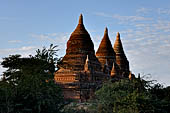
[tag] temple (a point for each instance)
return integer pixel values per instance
(81, 71)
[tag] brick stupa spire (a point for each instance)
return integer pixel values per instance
(115, 72)
(105, 51)
(78, 47)
(121, 59)
(87, 67)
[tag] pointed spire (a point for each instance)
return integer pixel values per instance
(78, 46)
(118, 43)
(121, 59)
(118, 35)
(87, 58)
(106, 31)
(87, 65)
(105, 47)
(115, 70)
(80, 29)
(130, 75)
(105, 51)
(81, 19)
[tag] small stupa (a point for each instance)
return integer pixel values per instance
(115, 72)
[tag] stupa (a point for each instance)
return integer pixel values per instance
(81, 72)
(105, 52)
(78, 47)
(121, 59)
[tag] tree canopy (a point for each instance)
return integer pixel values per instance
(28, 86)
(132, 96)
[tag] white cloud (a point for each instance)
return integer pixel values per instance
(1, 70)
(55, 38)
(147, 42)
(162, 25)
(40, 36)
(27, 48)
(130, 18)
(14, 41)
(143, 10)
(24, 51)
(102, 14)
(52, 37)
(124, 19)
(163, 11)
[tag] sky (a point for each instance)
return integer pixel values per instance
(144, 26)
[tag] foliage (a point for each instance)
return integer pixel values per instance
(75, 107)
(6, 97)
(28, 85)
(131, 96)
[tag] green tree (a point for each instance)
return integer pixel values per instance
(6, 97)
(130, 96)
(30, 83)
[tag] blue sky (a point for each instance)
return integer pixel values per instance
(144, 25)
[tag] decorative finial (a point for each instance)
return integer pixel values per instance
(87, 66)
(130, 75)
(81, 19)
(106, 31)
(113, 65)
(118, 34)
(87, 58)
